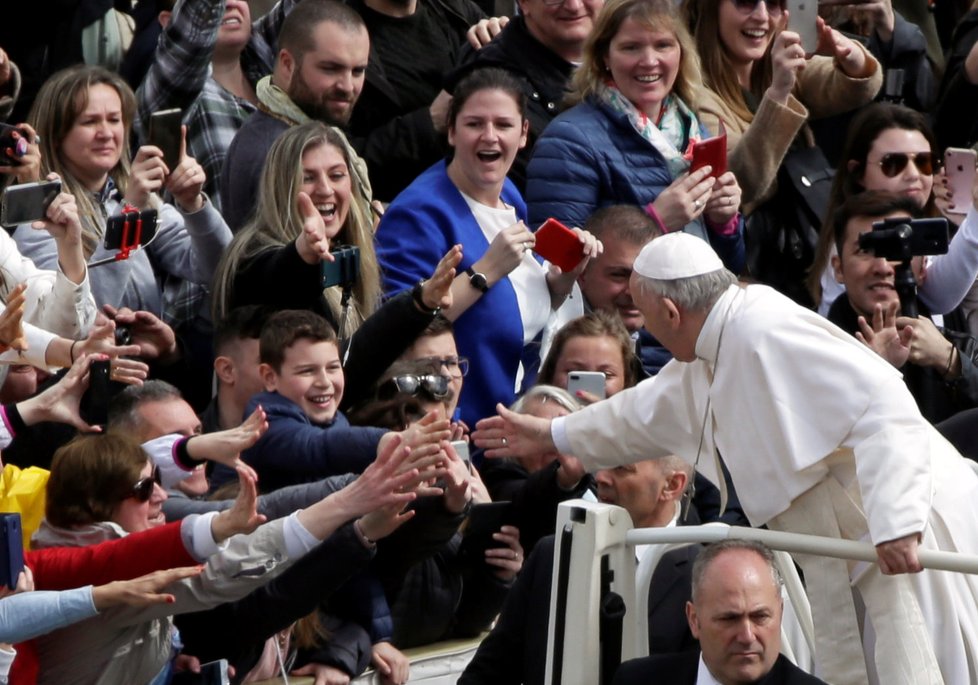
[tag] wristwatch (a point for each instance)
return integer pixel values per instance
(417, 294)
(477, 280)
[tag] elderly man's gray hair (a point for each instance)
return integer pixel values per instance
(696, 293)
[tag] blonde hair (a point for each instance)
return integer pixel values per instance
(719, 74)
(655, 15)
(62, 98)
(277, 223)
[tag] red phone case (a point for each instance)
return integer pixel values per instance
(712, 152)
(559, 245)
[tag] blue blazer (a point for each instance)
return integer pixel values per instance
(419, 227)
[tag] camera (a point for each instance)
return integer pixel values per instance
(344, 270)
(900, 240)
(123, 335)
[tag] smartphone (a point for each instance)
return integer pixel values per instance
(801, 20)
(28, 202)
(130, 230)
(344, 270)
(960, 167)
(211, 673)
(461, 448)
(95, 402)
(588, 381)
(710, 152)
(165, 133)
(484, 520)
(12, 548)
(12, 148)
(558, 245)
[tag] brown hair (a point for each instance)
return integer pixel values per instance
(90, 476)
(596, 324)
(297, 32)
(283, 329)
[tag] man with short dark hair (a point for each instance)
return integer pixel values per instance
(323, 49)
(735, 612)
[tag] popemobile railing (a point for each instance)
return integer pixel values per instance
(599, 589)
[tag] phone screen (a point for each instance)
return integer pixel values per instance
(165, 133)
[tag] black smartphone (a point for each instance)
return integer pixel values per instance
(164, 133)
(211, 673)
(95, 402)
(12, 548)
(27, 202)
(130, 230)
(483, 521)
(344, 270)
(12, 147)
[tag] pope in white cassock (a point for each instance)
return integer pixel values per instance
(820, 436)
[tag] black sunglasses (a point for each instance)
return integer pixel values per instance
(143, 489)
(774, 7)
(410, 384)
(893, 163)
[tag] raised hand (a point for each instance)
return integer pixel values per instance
(186, 182)
(12, 320)
(508, 560)
(849, 56)
(28, 166)
(513, 435)
(146, 177)
(684, 199)
(437, 290)
(59, 403)
(225, 447)
(560, 283)
(505, 252)
(156, 339)
(883, 337)
(243, 516)
(312, 245)
(724, 202)
(788, 61)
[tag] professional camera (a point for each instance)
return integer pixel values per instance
(900, 240)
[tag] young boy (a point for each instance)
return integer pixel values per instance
(308, 438)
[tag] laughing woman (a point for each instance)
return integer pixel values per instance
(504, 300)
(624, 140)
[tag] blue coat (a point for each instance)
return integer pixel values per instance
(590, 157)
(419, 227)
(295, 450)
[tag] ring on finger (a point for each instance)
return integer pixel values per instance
(504, 441)
(697, 204)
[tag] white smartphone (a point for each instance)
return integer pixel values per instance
(462, 450)
(801, 20)
(960, 167)
(588, 381)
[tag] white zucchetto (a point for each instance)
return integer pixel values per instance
(676, 255)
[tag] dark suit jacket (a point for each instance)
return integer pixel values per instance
(680, 669)
(516, 649)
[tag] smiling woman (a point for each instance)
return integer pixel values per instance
(505, 300)
(626, 138)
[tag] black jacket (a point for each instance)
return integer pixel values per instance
(955, 117)
(680, 669)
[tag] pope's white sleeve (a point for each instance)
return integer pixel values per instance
(892, 444)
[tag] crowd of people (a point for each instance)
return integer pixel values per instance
(320, 402)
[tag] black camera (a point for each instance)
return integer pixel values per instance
(344, 270)
(123, 335)
(900, 240)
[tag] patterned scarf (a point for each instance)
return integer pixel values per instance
(678, 127)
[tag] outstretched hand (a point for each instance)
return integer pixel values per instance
(513, 435)
(143, 591)
(225, 447)
(60, 402)
(312, 245)
(437, 290)
(12, 320)
(243, 516)
(883, 337)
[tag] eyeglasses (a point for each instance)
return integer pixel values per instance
(143, 489)
(774, 7)
(893, 163)
(453, 365)
(409, 384)
(553, 3)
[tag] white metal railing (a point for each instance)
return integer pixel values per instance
(601, 555)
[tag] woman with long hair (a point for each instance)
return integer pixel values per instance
(892, 148)
(83, 116)
(635, 98)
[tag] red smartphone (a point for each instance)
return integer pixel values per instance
(558, 245)
(712, 152)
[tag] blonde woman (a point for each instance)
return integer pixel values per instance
(623, 141)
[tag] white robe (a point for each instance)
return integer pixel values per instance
(788, 390)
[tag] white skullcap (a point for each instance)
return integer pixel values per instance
(676, 255)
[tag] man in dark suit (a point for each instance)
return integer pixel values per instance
(736, 614)
(516, 649)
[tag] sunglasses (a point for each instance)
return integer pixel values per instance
(455, 366)
(893, 163)
(143, 489)
(774, 7)
(410, 384)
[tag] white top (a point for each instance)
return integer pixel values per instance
(703, 675)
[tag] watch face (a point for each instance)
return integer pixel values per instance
(479, 281)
